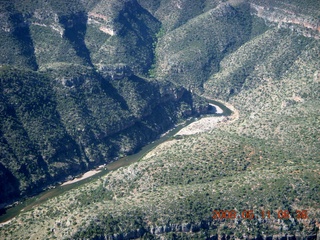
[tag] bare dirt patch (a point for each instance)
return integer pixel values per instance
(202, 125)
(84, 176)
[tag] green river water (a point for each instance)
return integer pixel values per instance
(47, 194)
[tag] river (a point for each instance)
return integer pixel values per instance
(44, 196)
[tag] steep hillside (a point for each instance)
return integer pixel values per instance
(275, 87)
(98, 32)
(173, 14)
(72, 119)
(188, 57)
(113, 75)
(16, 44)
(85, 104)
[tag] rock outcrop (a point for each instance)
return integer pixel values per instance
(196, 227)
(307, 26)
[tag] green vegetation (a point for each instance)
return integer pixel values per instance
(59, 123)
(182, 183)
(188, 57)
(74, 96)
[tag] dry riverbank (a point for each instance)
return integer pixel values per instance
(202, 125)
(209, 123)
(84, 176)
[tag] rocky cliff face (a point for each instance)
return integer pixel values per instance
(81, 61)
(84, 82)
(191, 228)
(83, 120)
(305, 25)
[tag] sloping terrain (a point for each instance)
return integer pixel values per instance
(53, 127)
(87, 103)
(260, 56)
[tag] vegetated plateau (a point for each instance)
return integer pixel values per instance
(85, 82)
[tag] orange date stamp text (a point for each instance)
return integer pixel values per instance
(249, 214)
